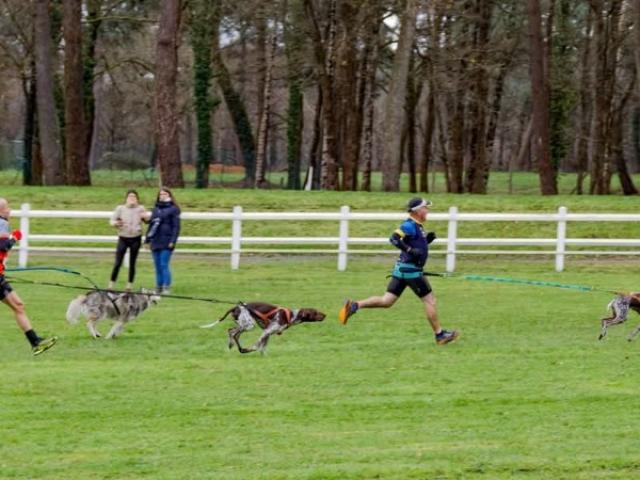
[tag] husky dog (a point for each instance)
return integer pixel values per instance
(101, 304)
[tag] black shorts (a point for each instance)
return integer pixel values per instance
(420, 286)
(5, 288)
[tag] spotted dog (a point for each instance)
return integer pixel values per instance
(270, 318)
(620, 307)
(120, 307)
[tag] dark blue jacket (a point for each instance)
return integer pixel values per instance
(411, 235)
(164, 226)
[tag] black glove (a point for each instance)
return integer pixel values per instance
(431, 236)
(416, 253)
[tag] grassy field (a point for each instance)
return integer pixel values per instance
(106, 198)
(500, 183)
(527, 392)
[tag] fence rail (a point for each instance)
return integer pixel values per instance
(343, 244)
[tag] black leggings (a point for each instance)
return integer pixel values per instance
(133, 244)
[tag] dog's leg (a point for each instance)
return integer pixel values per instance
(609, 322)
(262, 342)
(116, 329)
(91, 325)
(234, 338)
(634, 333)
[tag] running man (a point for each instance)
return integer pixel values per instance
(413, 242)
(7, 295)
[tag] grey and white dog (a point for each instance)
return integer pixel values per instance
(619, 308)
(119, 307)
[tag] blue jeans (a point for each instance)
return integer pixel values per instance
(161, 259)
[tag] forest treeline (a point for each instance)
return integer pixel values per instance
(327, 90)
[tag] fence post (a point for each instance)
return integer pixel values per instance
(561, 238)
(452, 234)
(23, 254)
(236, 237)
(343, 242)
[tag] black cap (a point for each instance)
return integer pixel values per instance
(416, 203)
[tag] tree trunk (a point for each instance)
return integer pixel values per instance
(90, 41)
(325, 60)
(394, 114)
(263, 127)
(204, 25)
(606, 51)
(294, 38)
(312, 182)
(260, 56)
(368, 73)
(582, 150)
(30, 126)
(477, 176)
(456, 149)
(346, 87)
(617, 152)
(540, 98)
(412, 99)
(427, 138)
(444, 153)
(166, 122)
(238, 113)
(48, 127)
(636, 49)
(75, 135)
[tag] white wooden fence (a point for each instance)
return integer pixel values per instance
(238, 243)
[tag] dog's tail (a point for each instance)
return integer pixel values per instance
(75, 309)
(209, 325)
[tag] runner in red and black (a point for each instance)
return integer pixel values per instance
(9, 297)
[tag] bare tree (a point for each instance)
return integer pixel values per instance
(48, 127)
(77, 165)
(394, 107)
(263, 127)
(166, 121)
(294, 50)
(478, 162)
(540, 94)
(607, 15)
(584, 122)
(324, 50)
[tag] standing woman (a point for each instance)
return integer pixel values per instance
(128, 219)
(164, 228)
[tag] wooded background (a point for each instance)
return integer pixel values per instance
(327, 90)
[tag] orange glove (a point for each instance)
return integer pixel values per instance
(17, 234)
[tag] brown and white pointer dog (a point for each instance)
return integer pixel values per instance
(620, 307)
(271, 318)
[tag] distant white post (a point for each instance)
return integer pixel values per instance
(452, 234)
(561, 239)
(23, 255)
(343, 242)
(236, 237)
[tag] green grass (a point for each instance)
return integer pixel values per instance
(214, 199)
(527, 392)
(523, 183)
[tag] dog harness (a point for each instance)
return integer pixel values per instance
(265, 319)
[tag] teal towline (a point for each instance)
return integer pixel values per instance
(537, 283)
(518, 281)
